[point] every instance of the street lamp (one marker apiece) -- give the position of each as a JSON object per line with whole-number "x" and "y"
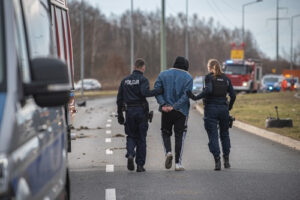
{"x": 187, "y": 31}
{"x": 82, "y": 45}
{"x": 292, "y": 35}
{"x": 243, "y": 15}
{"x": 131, "y": 38}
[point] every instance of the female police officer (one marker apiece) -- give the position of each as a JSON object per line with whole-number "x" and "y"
{"x": 216, "y": 110}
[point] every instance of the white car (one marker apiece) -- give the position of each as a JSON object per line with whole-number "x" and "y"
{"x": 88, "y": 84}
{"x": 198, "y": 84}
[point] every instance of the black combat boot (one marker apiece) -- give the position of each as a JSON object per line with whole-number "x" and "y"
{"x": 217, "y": 163}
{"x": 226, "y": 161}
{"x": 130, "y": 163}
{"x": 140, "y": 169}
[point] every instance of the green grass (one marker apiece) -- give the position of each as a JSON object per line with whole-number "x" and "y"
{"x": 97, "y": 93}
{"x": 255, "y": 108}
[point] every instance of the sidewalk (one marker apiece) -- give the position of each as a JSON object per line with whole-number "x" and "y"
{"x": 262, "y": 132}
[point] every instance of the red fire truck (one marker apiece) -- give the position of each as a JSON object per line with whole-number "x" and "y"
{"x": 245, "y": 75}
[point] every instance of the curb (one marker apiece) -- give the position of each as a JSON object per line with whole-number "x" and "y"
{"x": 262, "y": 133}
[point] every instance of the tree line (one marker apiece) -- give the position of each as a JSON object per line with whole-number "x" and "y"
{"x": 107, "y": 43}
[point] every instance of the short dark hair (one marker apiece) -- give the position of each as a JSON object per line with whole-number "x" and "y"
{"x": 139, "y": 63}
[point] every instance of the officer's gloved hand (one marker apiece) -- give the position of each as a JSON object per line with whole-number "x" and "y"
{"x": 121, "y": 118}
{"x": 229, "y": 107}
{"x": 191, "y": 95}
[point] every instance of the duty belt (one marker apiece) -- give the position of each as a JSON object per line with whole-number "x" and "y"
{"x": 135, "y": 105}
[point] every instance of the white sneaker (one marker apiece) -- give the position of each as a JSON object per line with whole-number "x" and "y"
{"x": 168, "y": 162}
{"x": 179, "y": 167}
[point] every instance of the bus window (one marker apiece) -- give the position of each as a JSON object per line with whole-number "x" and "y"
{"x": 2, "y": 71}
{"x": 66, "y": 41}
{"x": 60, "y": 33}
{"x": 53, "y": 25}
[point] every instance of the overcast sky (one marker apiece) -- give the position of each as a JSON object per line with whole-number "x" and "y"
{"x": 229, "y": 14}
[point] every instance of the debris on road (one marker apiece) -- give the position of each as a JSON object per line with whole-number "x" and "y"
{"x": 81, "y": 104}
{"x": 118, "y": 148}
{"x": 87, "y": 128}
{"x": 73, "y": 136}
{"x": 119, "y": 135}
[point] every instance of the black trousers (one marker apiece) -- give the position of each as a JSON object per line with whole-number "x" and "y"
{"x": 178, "y": 121}
{"x": 136, "y": 128}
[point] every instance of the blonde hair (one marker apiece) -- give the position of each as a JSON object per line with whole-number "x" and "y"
{"x": 215, "y": 67}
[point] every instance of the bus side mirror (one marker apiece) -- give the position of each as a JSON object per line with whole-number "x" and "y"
{"x": 50, "y": 84}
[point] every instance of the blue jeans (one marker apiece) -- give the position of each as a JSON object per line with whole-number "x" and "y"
{"x": 136, "y": 127}
{"x": 217, "y": 117}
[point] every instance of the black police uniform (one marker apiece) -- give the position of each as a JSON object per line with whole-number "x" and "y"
{"x": 132, "y": 95}
{"x": 216, "y": 111}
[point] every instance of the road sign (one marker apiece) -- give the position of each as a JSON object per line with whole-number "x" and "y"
{"x": 237, "y": 54}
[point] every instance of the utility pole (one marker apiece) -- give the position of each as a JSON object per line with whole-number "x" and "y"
{"x": 292, "y": 35}
{"x": 187, "y": 31}
{"x": 277, "y": 29}
{"x": 163, "y": 53}
{"x": 82, "y": 45}
{"x": 277, "y": 33}
{"x": 131, "y": 38}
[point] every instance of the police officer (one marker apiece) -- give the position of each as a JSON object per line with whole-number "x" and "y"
{"x": 216, "y": 110}
{"x": 132, "y": 95}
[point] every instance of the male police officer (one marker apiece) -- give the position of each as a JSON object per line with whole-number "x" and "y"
{"x": 132, "y": 94}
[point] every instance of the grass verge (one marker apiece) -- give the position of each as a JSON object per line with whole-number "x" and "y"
{"x": 255, "y": 108}
{"x": 97, "y": 93}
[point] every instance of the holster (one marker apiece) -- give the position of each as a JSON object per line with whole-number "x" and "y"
{"x": 150, "y": 116}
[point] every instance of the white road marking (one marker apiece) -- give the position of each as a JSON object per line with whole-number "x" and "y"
{"x": 113, "y": 113}
{"x": 108, "y": 125}
{"x": 109, "y": 120}
{"x": 108, "y": 140}
{"x": 110, "y": 194}
{"x": 110, "y": 168}
{"x": 109, "y": 152}
{"x": 108, "y": 132}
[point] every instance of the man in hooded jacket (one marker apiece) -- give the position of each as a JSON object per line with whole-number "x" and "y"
{"x": 174, "y": 105}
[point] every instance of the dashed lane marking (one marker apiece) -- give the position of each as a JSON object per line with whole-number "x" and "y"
{"x": 110, "y": 194}
{"x": 109, "y": 152}
{"x": 108, "y": 125}
{"x": 109, "y": 120}
{"x": 108, "y": 140}
{"x": 110, "y": 168}
{"x": 108, "y": 132}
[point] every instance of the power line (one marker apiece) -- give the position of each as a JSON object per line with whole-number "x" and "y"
{"x": 229, "y": 6}
{"x": 218, "y": 11}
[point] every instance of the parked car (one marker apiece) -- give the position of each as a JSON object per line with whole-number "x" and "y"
{"x": 271, "y": 83}
{"x": 88, "y": 84}
{"x": 34, "y": 89}
{"x": 198, "y": 84}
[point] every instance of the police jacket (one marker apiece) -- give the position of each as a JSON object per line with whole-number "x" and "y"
{"x": 215, "y": 90}
{"x": 175, "y": 83}
{"x": 133, "y": 91}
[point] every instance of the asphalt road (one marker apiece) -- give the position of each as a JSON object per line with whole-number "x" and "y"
{"x": 260, "y": 169}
